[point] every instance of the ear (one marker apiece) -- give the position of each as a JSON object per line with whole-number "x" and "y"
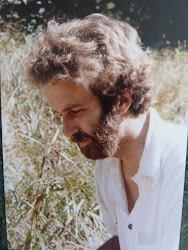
{"x": 123, "y": 102}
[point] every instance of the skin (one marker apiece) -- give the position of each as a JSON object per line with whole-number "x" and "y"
{"x": 81, "y": 111}
{"x": 77, "y": 107}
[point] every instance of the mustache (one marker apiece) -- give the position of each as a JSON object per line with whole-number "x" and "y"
{"x": 79, "y": 136}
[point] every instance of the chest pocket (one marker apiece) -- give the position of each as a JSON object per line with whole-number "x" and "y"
{"x": 148, "y": 241}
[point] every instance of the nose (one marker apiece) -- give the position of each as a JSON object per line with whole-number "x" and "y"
{"x": 69, "y": 128}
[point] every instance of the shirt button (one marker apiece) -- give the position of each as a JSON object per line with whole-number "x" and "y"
{"x": 130, "y": 226}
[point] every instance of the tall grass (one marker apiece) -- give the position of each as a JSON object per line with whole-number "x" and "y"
{"x": 170, "y": 74}
{"x": 50, "y": 197}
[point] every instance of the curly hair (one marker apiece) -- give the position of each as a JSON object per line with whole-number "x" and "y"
{"x": 102, "y": 53}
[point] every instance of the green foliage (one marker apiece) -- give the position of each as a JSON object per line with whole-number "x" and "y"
{"x": 25, "y": 15}
{"x": 28, "y": 15}
{"x": 158, "y": 22}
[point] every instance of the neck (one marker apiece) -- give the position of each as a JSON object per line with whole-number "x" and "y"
{"x": 134, "y": 131}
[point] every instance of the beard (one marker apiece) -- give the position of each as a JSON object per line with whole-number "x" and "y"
{"x": 105, "y": 141}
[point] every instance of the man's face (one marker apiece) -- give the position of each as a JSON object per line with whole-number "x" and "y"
{"x": 96, "y": 134}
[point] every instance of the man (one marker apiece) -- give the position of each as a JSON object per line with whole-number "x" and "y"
{"x": 97, "y": 77}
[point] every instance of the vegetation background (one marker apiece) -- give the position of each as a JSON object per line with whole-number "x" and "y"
{"x": 50, "y": 197}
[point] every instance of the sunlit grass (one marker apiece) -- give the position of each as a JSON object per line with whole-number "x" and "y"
{"x": 170, "y": 72}
{"x": 50, "y": 197}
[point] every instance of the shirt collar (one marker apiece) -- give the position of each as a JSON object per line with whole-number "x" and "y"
{"x": 150, "y": 160}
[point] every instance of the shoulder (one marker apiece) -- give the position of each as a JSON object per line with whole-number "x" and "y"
{"x": 168, "y": 133}
{"x": 174, "y": 147}
{"x": 174, "y": 138}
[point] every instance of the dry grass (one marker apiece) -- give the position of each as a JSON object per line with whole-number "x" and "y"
{"x": 170, "y": 72}
{"x": 50, "y": 198}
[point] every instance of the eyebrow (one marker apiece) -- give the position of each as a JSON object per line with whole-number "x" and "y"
{"x": 67, "y": 108}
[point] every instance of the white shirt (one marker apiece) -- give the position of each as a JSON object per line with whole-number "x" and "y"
{"x": 155, "y": 221}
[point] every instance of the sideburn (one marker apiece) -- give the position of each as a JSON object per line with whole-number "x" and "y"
{"x": 107, "y": 102}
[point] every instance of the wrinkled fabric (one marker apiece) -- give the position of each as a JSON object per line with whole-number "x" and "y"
{"x": 154, "y": 223}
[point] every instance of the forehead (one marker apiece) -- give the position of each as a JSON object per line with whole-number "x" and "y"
{"x": 65, "y": 93}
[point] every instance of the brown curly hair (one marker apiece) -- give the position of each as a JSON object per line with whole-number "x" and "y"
{"x": 102, "y": 53}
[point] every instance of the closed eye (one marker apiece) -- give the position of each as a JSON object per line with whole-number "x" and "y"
{"x": 75, "y": 111}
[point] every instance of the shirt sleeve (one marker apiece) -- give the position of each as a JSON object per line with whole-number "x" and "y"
{"x": 174, "y": 198}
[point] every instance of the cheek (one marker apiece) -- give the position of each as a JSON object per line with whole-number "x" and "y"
{"x": 96, "y": 125}
{"x": 89, "y": 126}
{"x": 90, "y": 119}
{"x": 93, "y": 116}
{"x": 97, "y": 113}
